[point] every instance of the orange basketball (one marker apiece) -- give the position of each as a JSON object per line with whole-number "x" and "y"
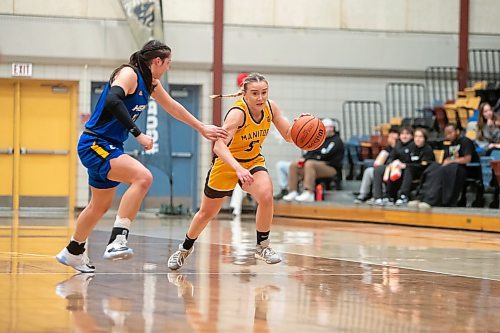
{"x": 308, "y": 133}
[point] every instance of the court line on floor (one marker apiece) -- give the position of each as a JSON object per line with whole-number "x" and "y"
{"x": 398, "y": 266}
{"x": 27, "y": 254}
{"x": 365, "y": 262}
{"x": 424, "y": 271}
{"x": 359, "y": 262}
{"x": 144, "y": 234}
{"x": 20, "y": 254}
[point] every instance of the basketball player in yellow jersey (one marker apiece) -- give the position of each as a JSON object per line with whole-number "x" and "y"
{"x": 238, "y": 158}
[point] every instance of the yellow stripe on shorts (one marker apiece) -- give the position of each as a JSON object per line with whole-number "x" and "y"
{"x": 99, "y": 150}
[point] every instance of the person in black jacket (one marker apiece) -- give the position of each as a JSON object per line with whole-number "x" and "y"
{"x": 323, "y": 162}
{"x": 400, "y": 154}
{"x": 421, "y": 154}
{"x": 442, "y": 184}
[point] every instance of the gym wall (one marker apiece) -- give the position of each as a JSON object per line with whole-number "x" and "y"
{"x": 316, "y": 54}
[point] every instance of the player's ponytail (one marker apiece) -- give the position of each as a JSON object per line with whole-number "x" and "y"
{"x": 236, "y": 94}
{"x": 251, "y": 78}
{"x": 141, "y": 60}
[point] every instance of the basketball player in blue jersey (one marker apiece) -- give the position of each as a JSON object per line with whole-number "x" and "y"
{"x": 239, "y": 159}
{"x": 100, "y": 149}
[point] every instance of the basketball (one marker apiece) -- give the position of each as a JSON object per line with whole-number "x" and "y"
{"x": 308, "y": 133}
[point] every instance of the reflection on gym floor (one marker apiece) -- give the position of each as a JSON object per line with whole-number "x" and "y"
{"x": 334, "y": 277}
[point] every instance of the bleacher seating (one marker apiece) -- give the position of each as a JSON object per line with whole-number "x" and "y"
{"x": 361, "y": 150}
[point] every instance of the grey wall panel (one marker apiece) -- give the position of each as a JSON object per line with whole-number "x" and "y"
{"x": 64, "y": 40}
{"x": 426, "y": 16}
{"x": 315, "y": 51}
{"x": 333, "y": 49}
{"x": 191, "y": 44}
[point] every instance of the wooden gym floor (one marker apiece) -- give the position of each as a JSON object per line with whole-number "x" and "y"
{"x": 335, "y": 277}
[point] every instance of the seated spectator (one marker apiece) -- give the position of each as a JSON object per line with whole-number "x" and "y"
{"x": 401, "y": 153}
{"x": 324, "y": 162}
{"x": 421, "y": 155}
{"x": 488, "y": 129}
{"x": 442, "y": 184}
{"x": 365, "y": 190}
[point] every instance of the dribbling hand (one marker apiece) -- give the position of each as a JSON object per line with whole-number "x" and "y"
{"x": 289, "y": 131}
{"x": 302, "y": 115}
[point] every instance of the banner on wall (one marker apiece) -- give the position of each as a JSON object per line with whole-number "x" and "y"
{"x": 144, "y": 18}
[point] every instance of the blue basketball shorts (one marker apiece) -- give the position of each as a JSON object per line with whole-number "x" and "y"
{"x": 95, "y": 154}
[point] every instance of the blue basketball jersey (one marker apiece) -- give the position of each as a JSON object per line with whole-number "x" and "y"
{"x": 106, "y": 125}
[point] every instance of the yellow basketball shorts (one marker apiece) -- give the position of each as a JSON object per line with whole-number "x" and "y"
{"x": 221, "y": 178}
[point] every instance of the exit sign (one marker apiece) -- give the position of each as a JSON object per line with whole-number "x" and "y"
{"x": 22, "y": 69}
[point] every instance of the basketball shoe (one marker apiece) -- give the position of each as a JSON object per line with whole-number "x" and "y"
{"x": 177, "y": 259}
{"x": 266, "y": 253}
{"x": 118, "y": 249}
{"x": 79, "y": 262}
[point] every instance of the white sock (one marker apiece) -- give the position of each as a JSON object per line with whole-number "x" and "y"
{"x": 122, "y": 222}
{"x": 73, "y": 239}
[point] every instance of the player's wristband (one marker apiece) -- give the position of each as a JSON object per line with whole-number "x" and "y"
{"x": 135, "y": 131}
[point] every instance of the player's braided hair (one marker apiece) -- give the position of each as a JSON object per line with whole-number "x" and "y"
{"x": 142, "y": 61}
{"x": 252, "y": 77}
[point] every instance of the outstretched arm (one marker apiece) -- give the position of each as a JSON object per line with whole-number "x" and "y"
{"x": 177, "y": 111}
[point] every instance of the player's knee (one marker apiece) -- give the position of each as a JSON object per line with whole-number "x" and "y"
{"x": 206, "y": 215}
{"x": 101, "y": 207}
{"x": 266, "y": 198}
{"x": 145, "y": 180}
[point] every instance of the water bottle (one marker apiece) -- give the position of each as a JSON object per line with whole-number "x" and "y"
{"x": 319, "y": 192}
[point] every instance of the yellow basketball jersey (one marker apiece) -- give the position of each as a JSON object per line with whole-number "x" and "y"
{"x": 247, "y": 141}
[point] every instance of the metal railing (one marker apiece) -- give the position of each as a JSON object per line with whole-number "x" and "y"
{"x": 484, "y": 65}
{"x": 359, "y": 117}
{"x": 404, "y": 99}
{"x": 441, "y": 83}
